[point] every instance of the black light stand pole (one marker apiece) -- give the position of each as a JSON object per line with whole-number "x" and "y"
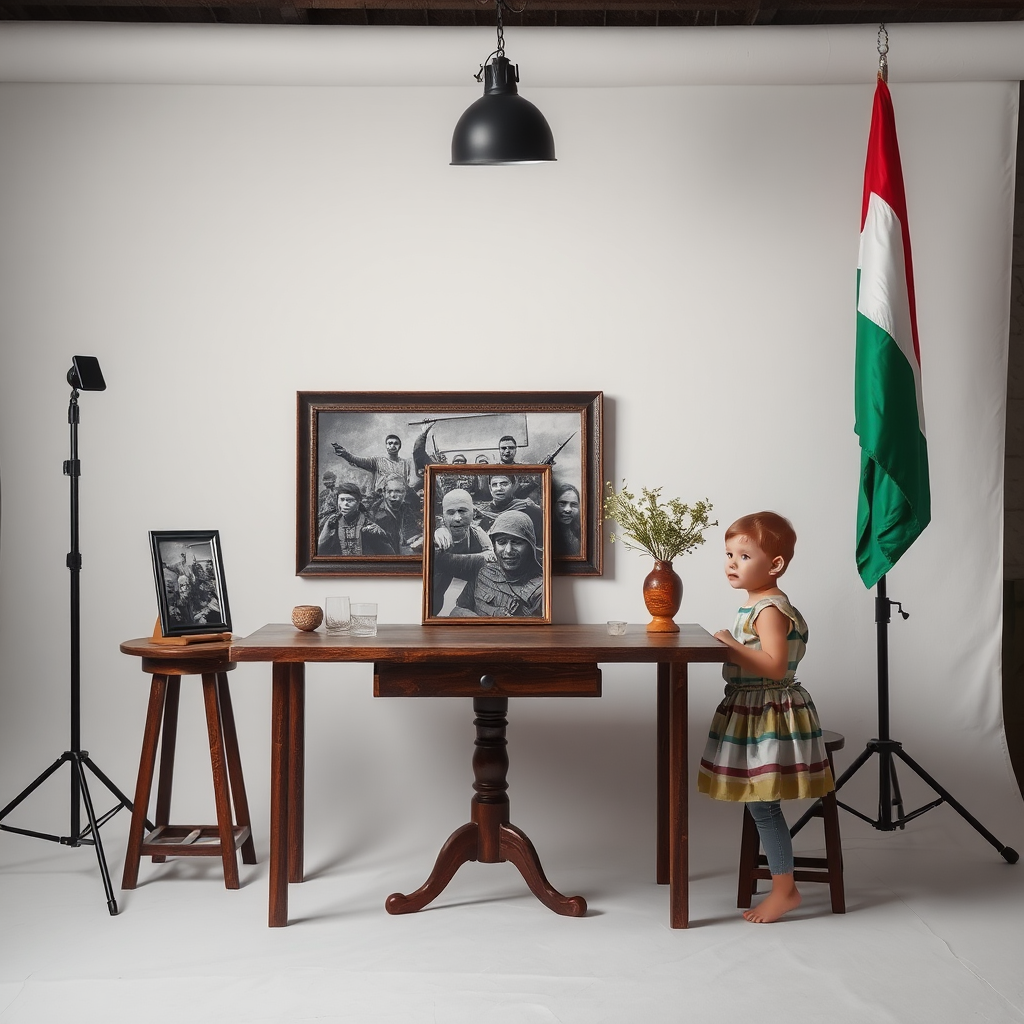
{"x": 85, "y": 374}
{"x": 886, "y": 748}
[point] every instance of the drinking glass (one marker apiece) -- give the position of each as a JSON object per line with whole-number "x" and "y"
{"x": 364, "y": 619}
{"x": 338, "y": 619}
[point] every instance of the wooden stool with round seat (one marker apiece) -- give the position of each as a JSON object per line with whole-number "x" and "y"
{"x": 167, "y": 664}
{"x": 829, "y": 869}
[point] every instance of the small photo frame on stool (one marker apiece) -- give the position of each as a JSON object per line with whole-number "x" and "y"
{"x": 190, "y": 590}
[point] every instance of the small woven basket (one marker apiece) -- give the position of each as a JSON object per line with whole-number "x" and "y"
{"x": 307, "y": 616}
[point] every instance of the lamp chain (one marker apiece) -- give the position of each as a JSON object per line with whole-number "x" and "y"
{"x": 883, "y": 53}
{"x": 500, "y": 51}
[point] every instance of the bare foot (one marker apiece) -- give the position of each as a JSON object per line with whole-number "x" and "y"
{"x": 781, "y": 900}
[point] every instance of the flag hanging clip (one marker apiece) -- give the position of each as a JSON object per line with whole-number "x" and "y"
{"x": 883, "y": 53}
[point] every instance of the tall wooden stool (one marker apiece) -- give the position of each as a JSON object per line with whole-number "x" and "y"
{"x": 754, "y": 865}
{"x": 167, "y": 664}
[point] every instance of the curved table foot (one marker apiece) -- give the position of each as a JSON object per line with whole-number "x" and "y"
{"x": 460, "y": 846}
{"x": 517, "y": 848}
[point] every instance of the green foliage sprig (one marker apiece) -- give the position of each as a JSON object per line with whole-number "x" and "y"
{"x": 663, "y": 530}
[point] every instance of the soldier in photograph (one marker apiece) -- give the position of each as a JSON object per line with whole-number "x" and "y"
{"x": 461, "y": 546}
{"x": 327, "y": 499}
{"x": 382, "y": 466}
{"x": 505, "y": 497}
{"x": 512, "y": 585}
{"x": 400, "y": 516}
{"x": 350, "y": 531}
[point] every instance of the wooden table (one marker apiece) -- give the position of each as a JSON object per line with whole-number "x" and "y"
{"x": 489, "y": 664}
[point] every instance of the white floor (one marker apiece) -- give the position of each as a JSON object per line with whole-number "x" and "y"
{"x": 934, "y": 932}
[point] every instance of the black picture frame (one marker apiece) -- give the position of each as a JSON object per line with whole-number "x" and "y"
{"x": 474, "y": 585}
{"x": 564, "y": 424}
{"x": 191, "y": 593}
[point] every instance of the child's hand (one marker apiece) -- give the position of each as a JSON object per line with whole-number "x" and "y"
{"x": 725, "y": 636}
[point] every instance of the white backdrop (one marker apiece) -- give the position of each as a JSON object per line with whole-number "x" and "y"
{"x": 692, "y": 253}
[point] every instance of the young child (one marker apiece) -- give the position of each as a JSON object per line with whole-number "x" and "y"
{"x": 765, "y": 741}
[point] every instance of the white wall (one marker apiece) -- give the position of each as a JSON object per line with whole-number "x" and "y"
{"x": 692, "y": 253}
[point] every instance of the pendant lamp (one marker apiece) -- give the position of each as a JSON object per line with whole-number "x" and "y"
{"x": 501, "y": 127}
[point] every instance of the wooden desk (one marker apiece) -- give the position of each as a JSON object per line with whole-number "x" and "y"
{"x": 491, "y": 664}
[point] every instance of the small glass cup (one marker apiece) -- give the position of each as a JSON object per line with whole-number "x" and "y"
{"x": 616, "y": 628}
{"x": 364, "y": 619}
{"x": 338, "y": 617}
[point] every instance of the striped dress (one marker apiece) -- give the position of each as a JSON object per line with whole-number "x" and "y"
{"x": 765, "y": 739}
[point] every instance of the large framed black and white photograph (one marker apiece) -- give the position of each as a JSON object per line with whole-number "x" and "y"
{"x": 191, "y": 594}
{"x": 487, "y": 544}
{"x": 362, "y": 459}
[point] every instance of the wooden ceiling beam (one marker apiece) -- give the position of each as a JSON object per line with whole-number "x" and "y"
{"x": 752, "y": 11}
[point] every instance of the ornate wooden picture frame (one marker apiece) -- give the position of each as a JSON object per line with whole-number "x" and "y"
{"x": 350, "y": 444}
{"x": 191, "y": 594}
{"x": 487, "y": 544}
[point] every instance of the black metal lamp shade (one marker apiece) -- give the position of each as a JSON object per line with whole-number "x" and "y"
{"x": 501, "y": 127}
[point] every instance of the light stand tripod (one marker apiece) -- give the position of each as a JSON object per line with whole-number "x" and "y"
{"x": 85, "y": 374}
{"x": 887, "y": 748}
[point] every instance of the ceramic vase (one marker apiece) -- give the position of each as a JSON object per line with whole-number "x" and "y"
{"x": 663, "y": 594}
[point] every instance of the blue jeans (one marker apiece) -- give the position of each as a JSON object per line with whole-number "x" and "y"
{"x": 774, "y": 833}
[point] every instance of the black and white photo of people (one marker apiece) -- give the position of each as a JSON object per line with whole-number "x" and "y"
{"x": 486, "y": 558}
{"x": 370, "y": 467}
{"x": 190, "y": 583}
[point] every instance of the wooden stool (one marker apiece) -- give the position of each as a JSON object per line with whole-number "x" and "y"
{"x": 167, "y": 665}
{"x": 754, "y": 866}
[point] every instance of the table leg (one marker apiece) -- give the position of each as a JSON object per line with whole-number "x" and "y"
{"x": 221, "y": 784}
{"x": 143, "y": 787}
{"x": 459, "y": 847}
{"x": 489, "y": 837}
{"x": 280, "y": 731}
{"x": 238, "y": 795}
{"x": 168, "y": 740}
{"x": 678, "y": 809}
{"x": 661, "y": 875}
{"x": 296, "y": 773}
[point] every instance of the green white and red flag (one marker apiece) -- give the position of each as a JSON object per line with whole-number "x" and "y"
{"x": 894, "y": 504}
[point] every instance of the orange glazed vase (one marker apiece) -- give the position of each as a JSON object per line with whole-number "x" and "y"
{"x": 663, "y": 594}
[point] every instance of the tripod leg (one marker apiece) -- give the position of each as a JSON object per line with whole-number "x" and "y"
{"x": 848, "y": 774}
{"x": 897, "y": 797}
{"x": 1006, "y": 852}
{"x": 76, "y": 767}
{"x": 851, "y": 771}
{"x": 33, "y": 786}
{"x": 811, "y": 812}
{"x": 125, "y": 802}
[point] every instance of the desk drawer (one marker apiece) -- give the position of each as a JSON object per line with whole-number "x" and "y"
{"x": 482, "y": 680}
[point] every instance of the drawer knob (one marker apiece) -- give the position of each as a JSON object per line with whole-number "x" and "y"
{"x": 486, "y": 682}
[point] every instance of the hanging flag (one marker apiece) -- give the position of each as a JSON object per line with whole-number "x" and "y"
{"x": 894, "y": 505}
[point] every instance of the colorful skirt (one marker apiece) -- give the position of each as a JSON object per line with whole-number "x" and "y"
{"x": 765, "y": 744}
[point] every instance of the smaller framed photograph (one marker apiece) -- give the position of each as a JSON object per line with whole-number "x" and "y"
{"x": 189, "y": 573}
{"x": 487, "y": 544}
